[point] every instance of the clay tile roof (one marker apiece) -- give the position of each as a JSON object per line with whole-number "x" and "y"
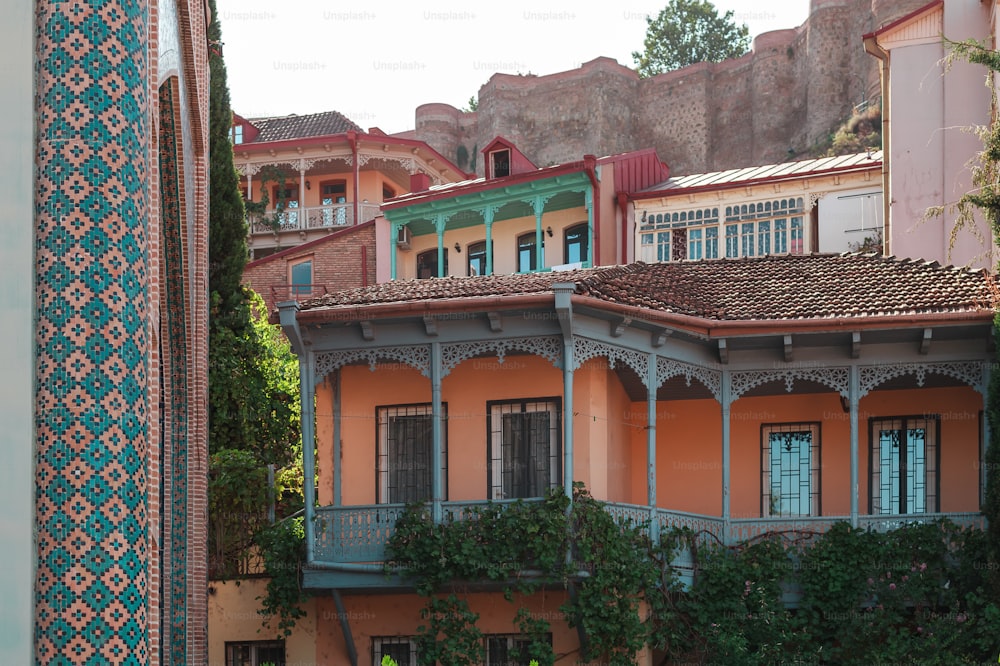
{"x": 298, "y": 127}
{"x": 815, "y": 286}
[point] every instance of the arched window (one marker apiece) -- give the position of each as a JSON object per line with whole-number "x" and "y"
{"x": 576, "y": 244}
{"x": 527, "y": 257}
{"x": 427, "y": 264}
{"x": 476, "y": 254}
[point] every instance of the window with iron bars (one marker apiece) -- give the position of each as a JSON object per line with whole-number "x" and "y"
{"x": 255, "y": 653}
{"x": 501, "y": 650}
{"x": 404, "y": 447}
{"x": 790, "y": 464}
{"x": 401, "y": 649}
{"x": 903, "y": 459}
{"x": 524, "y": 447}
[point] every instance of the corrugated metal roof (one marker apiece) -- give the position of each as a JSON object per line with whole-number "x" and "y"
{"x": 798, "y": 169}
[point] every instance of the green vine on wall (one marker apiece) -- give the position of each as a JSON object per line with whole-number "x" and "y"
{"x": 917, "y": 594}
{"x": 269, "y": 175}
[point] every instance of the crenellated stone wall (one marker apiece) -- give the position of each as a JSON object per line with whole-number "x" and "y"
{"x": 773, "y": 104}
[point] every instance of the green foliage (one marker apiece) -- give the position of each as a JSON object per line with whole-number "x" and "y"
{"x": 227, "y": 231}
{"x": 614, "y": 560}
{"x": 984, "y": 197}
{"x": 859, "y": 133}
{"x": 450, "y": 637}
{"x": 257, "y": 210}
{"x": 238, "y": 498}
{"x": 253, "y": 388}
{"x": 283, "y": 547}
{"x": 686, "y": 32}
{"x": 918, "y": 594}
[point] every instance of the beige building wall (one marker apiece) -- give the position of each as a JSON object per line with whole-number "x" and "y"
{"x": 931, "y": 112}
{"x": 233, "y": 617}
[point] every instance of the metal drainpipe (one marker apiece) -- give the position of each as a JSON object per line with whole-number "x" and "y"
{"x": 872, "y": 47}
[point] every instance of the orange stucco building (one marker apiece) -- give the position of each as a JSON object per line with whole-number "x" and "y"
{"x": 735, "y": 397}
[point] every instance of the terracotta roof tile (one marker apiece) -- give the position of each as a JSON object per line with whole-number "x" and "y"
{"x": 814, "y": 286}
{"x": 298, "y": 127}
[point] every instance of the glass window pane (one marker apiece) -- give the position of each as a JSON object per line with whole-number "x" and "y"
{"x": 302, "y": 278}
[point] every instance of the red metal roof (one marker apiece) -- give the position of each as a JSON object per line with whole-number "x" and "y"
{"x": 718, "y": 180}
{"x": 633, "y": 171}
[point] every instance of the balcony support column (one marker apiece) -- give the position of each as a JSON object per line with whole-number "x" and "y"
{"x": 984, "y": 389}
{"x": 308, "y": 389}
{"x": 352, "y": 139}
{"x": 651, "y": 386}
{"x": 393, "y": 248}
{"x": 437, "y": 496}
{"x": 564, "y": 312}
{"x": 727, "y": 391}
{"x": 488, "y": 213}
{"x": 439, "y": 223}
{"x": 539, "y": 206}
{"x": 303, "y": 224}
{"x": 853, "y": 398}
{"x": 337, "y": 467}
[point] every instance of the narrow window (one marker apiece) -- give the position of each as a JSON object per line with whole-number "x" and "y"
{"x": 500, "y": 161}
{"x": 575, "y": 244}
{"x": 301, "y": 278}
{"x": 476, "y": 253}
{"x": 712, "y": 243}
{"x": 333, "y": 199}
{"x": 255, "y": 653}
{"x": 405, "y": 461}
{"x": 401, "y": 649}
{"x": 527, "y": 259}
{"x": 904, "y": 465}
{"x": 524, "y": 447}
{"x": 695, "y": 247}
{"x": 790, "y": 469}
{"x": 427, "y": 264}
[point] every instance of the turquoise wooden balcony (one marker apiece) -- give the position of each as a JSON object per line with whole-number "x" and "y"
{"x": 359, "y": 534}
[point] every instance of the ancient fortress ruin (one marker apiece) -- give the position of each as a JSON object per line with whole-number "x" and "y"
{"x": 774, "y": 104}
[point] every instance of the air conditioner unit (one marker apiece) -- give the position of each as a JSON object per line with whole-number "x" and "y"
{"x": 403, "y": 238}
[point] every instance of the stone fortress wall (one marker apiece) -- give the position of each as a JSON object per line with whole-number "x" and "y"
{"x": 772, "y": 105}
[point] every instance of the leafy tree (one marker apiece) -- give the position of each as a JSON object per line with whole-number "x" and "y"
{"x": 985, "y": 198}
{"x": 689, "y": 31}
{"x": 253, "y": 375}
{"x": 227, "y": 225}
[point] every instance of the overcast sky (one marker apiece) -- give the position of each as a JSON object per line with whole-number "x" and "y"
{"x": 377, "y": 62}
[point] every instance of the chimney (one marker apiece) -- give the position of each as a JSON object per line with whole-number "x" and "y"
{"x": 419, "y": 182}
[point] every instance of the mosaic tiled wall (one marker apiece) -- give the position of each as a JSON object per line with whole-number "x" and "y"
{"x": 175, "y": 360}
{"x": 91, "y": 413}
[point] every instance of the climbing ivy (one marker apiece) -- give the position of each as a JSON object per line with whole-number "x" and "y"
{"x": 918, "y": 593}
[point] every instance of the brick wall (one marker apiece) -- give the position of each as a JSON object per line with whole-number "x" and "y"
{"x": 343, "y": 260}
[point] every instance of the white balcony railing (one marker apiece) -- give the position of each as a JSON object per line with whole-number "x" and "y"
{"x": 305, "y": 219}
